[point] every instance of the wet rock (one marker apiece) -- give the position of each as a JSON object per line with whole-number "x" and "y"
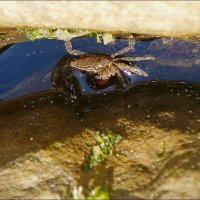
{"x": 43, "y": 149}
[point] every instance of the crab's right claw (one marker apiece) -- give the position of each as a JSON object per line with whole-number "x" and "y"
{"x": 68, "y": 89}
{"x": 63, "y": 79}
{"x": 72, "y": 91}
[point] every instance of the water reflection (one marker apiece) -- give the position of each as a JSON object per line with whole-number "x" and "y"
{"x": 26, "y": 67}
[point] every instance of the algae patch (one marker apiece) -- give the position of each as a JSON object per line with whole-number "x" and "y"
{"x": 65, "y": 34}
{"x": 96, "y": 193}
{"x": 105, "y": 147}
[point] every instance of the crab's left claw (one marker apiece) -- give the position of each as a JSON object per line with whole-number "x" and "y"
{"x": 131, "y": 69}
{"x": 136, "y": 70}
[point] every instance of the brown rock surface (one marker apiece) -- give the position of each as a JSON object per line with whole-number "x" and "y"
{"x": 43, "y": 147}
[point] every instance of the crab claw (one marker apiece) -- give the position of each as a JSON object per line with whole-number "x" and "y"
{"x": 136, "y": 70}
{"x": 71, "y": 85}
{"x": 72, "y": 92}
{"x": 131, "y": 69}
{"x": 63, "y": 79}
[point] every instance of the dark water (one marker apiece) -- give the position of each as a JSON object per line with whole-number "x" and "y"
{"x": 26, "y": 67}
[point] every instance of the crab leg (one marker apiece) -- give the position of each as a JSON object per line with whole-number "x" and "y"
{"x": 132, "y": 69}
{"x": 68, "y": 46}
{"x": 131, "y": 46}
{"x": 134, "y": 59}
{"x": 122, "y": 78}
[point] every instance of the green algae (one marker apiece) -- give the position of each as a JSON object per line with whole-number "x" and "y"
{"x": 105, "y": 147}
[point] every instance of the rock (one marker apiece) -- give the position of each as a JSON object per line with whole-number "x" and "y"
{"x": 43, "y": 149}
{"x": 169, "y": 18}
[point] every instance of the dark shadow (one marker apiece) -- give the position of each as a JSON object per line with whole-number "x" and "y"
{"x": 5, "y": 48}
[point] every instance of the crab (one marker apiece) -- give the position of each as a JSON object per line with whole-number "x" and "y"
{"x": 100, "y": 66}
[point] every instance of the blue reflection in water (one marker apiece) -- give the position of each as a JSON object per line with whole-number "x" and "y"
{"x": 24, "y": 59}
{"x": 159, "y": 72}
{"x": 26, "y": 67}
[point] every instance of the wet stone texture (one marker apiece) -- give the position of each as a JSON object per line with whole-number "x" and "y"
{"x": 43, "y": 147}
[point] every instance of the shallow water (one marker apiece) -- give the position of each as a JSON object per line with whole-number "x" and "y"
{"x": 45, "y": 139}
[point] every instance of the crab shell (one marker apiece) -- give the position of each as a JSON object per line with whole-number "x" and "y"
{"x": 104, "y": 66}
{"x": 100, "y": 69}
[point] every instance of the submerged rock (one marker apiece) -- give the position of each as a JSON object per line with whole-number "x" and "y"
{"x": 43, "y": 148}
